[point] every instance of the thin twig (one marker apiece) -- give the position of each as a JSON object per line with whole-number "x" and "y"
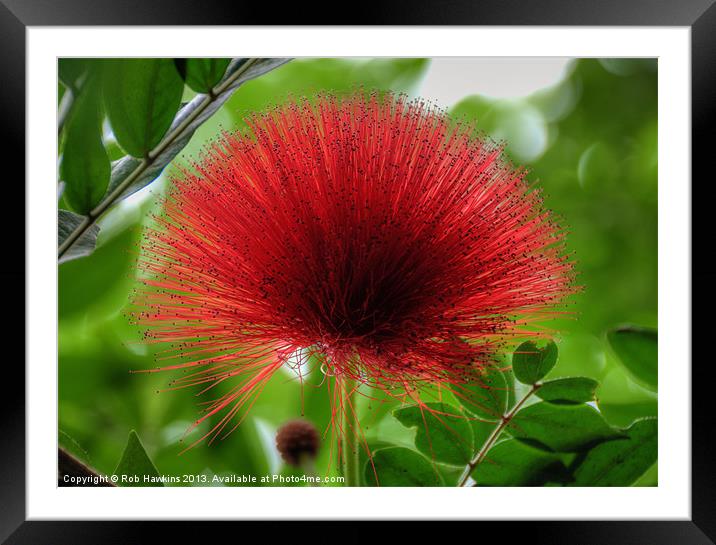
{"x": 110, "y": 199}
{"x": 492, "y": 438}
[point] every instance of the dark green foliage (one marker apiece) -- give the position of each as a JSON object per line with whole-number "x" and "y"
{"x": 141, "y": 96}
{"x": 486, "y": 396}
{"x": 620, "y": 462}
{"x": 443, "y": 432}
{"x": 531, "y": 363}
{"x": 123, "y": 168}
{"x": 85, "y": 167}
{"x": 397, "y": 466}
{"x": 202, "y": 74}
{"x": 637, "y": 348}
{"x": 516, "y": 463}
{"x": 563, "y": 428}
{"x": 570, "y": 389}
{"x": 135, "y": 468}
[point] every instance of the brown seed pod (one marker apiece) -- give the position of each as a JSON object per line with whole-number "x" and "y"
{"x": 297, "y": 440}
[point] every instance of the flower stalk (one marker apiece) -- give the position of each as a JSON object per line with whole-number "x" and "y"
{"x": 350, "y": 435}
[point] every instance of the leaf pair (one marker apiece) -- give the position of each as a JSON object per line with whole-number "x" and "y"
{"x": 542, "y": 436}
{"x": 140, "y": 98}
{"x": 562, "y": 439}
{"x": 531, "y": 364}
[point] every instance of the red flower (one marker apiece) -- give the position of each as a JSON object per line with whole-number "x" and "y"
{"x": 372, "y": 230}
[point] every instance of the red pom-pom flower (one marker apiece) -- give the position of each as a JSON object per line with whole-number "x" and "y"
{"x": 375, "y": 231}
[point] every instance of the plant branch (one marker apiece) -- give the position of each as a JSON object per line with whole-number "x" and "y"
{"x": 110, "y": 199}
{"x": 492, "y": 438}
{"x": 71, "y": 468}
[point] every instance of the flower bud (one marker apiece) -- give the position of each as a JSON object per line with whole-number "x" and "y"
{"x": 297, "y": 441}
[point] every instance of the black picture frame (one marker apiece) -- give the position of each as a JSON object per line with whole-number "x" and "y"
{"x": 699, "y": 15}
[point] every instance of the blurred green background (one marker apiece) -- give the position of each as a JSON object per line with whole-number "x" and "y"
{"x": 590, "y": 141}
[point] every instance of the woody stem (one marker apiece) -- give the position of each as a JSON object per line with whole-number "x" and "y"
{"x": 492, "y": 438}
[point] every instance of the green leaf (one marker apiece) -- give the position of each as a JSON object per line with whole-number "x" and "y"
{"x": 621, "y": 400}
{"x": 562, "y": 428}
{"x": 67, "y": 222}
{"x": 516, "y": 463}
{"x": 649, "y": 478}
{"x": 637, "y": 349}
{"x": 103, "y": 279}
{"x": 398, "y": 466}
{"x": 443, "y": 432}
{"x": 72, "y": 70}
{"x": 114, "y": 150}
{"x": 141, "y": 96}
{"x": 486, "y": 396}
{"x": 571, "y": 389}
{"x": 481, "y": 430}
{"x": 135, "y": 463}
{"x": 531, "y": 363}
{"x": 628, "y": 67}
{"x": 75, "y": 72}
{"x": 624, "y": 414}
{"x": 85, "y": 167}
{"x": 70, "y": 444}
{"x": 202, "y": 75}
{"x": 124, "y": 167}
{"x": 620, "y": 462}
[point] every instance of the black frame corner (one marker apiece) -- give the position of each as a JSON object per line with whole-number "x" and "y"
{"x": 700, "y": 15}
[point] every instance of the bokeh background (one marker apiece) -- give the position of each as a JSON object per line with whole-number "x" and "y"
{"x": 587, "y": 130}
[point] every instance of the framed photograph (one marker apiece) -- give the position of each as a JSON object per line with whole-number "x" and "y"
{"x": 364, "y": 273}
